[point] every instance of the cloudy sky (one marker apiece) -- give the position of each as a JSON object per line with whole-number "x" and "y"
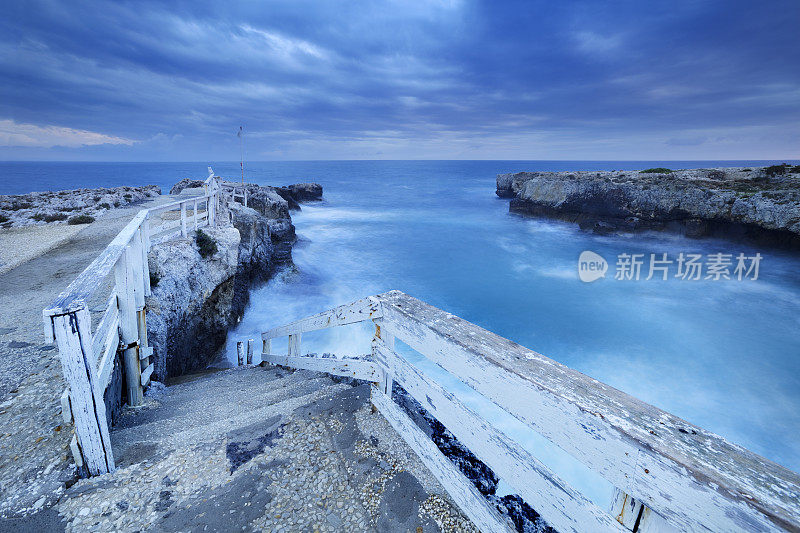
{"x": 403, "y": 79}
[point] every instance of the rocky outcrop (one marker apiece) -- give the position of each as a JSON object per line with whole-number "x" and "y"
{"x": 196, "y": 300}
{"x": 61, "y": 206}
{"x": 758, "y": 204}
{"x": 186, "y": 183}
{"x": 300, "y": 192}
{"x": 192, "y": 302}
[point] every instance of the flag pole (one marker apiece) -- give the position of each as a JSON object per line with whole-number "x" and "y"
{"x": 241, "y": 147}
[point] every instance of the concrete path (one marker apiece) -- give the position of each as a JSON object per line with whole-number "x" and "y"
{"x": 34, "y": 452}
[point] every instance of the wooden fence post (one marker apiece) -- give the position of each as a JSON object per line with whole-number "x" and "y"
{"x": 382, "y": 335}
{"x": 126, "y": 301}
{"x": 183, "y": 219}
{"x": 249, "y": 351}
{"x": 636, "y": 516}
{"x": 294, "y": 345}
{"x": 240, "y": 353}
{"x": 74, "y": 337}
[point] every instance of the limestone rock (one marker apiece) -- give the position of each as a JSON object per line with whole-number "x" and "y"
{"x": 190, "y": 306}
{"x": 186, "y": 183}
{"x": 300, "y": 192}
{"x": 733, "y": 202}
{"x": 38, "y": 208}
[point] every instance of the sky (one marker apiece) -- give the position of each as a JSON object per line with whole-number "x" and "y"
{"x": 444, "y": 79}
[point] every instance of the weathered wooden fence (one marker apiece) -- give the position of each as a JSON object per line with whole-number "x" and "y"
{"x": 669, "y": 474}
{"x": 88, "y": 354}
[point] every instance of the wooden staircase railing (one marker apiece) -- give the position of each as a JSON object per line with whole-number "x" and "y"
{"x": 669, "y": 474}
{"x": 88, "y": 357}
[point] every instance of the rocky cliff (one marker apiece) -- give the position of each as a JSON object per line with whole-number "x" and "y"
{"x": 757, "y": 204}
{"x": 197, "y": 299}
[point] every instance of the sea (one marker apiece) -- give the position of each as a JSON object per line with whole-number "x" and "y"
{"x": 723, "y": 354}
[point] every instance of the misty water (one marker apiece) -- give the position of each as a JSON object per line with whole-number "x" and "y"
{"x": 724, "y": 355}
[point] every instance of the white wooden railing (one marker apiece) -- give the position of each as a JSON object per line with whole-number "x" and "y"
{"x": 669, "y": 474}
{"x": 88, "y": 354}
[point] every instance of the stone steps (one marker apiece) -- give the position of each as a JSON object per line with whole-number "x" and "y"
{"x": 206, "y": 409}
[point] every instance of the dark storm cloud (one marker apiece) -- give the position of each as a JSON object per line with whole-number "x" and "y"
{"x": 540, "y": 79}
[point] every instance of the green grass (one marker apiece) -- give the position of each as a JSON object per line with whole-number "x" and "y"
{"x": 657, "y": 170}
{"x": 105, "y": 205}
{"x": 3, "y": 218}
{"x": 55, "y": 217}
{"x": 154, "y": 279}
{"x": 80, "y": 219}
{"x": 205, "y": 244}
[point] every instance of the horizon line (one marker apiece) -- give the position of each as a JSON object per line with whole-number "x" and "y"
{"x": 395, "y": 160}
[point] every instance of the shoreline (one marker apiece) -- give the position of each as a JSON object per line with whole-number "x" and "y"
{"x": 755, "y": 205}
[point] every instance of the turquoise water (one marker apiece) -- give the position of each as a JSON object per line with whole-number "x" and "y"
{"x": 724, "y": 355}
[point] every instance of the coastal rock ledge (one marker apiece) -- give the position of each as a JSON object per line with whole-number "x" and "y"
{"x": 754, "y": 204}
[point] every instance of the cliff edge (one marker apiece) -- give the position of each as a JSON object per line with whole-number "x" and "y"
{"x": 755, "y": 204}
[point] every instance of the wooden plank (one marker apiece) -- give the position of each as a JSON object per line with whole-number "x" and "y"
{"x": 635, "y": 516}
{"x": 146, "y": 375}
{"x": 471, "y": 502}
{"x": 72, "y": 332}
{"x": 76, "y": 451}
{"x": 562, "y": 507}
{"x": 144, "y": 247}
{"x": 134, "y": 256}
{"x": 108, "y": 321}
{"x": 108, "y": 356}
{"x": 129, "y": 329}
{"x": 145, "y": 352}
{"x": 353, "y": 368}
{"x": 358, "y": 311}
{"x": 294, "y": 345}
{"x": 194, "y": 214}
{"x": 83, "y": 287}
{"x": 383, "y": 337}
{"x": 183, "y": 219}
{"x": 66, "y": 410}
{"x": 689, "y": 476}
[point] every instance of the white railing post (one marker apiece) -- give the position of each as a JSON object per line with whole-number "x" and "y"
{"x": 194, "y": 215}
{"x": 74, "y": 337}
{"x": 245, "y": 196}
{"x": 183, "y": 219}
{"x": 634, "y": 515}
{"x": 383, "y": 336}
{"x": 294, "y": 345}
{"x": 126, "y": 301}
{"x": 144, "y": 247}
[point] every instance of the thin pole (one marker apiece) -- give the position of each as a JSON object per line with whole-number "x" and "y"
{"x": 241, "y": 146}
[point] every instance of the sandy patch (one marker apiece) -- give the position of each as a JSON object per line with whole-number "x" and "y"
{"x": 18, "y": 245}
